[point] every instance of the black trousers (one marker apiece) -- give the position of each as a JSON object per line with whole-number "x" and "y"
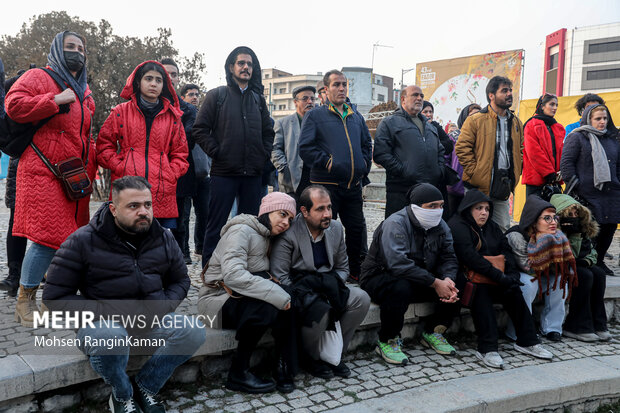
{"x": 182, "y": 224}
{"x": 252, "y": 318}
{"x": 603, "y": 240}
{"x": 586, "y": 309}
{"x": 533, "y": 190}
{"x": 483, "y": 315}
{"x": 394, "y": 298}
{"x": 395, "y": 201}
{"x": 454, "y": 201}
{"x": 15, "y": 247}
{"x": 348, "y": 205}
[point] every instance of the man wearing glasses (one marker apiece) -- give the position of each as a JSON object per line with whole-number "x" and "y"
{"x": 285, "y": 154}
{"x": 234, "y": 128}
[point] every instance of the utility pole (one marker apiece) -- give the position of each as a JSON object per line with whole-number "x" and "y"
{"x": 372, "y": 66}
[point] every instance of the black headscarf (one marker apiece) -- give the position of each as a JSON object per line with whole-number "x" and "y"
{"x": 427, "y": 104}
{"x": 255, "y": 83}
{"x": 56, "y": 60}
{"x": 539, "y": 114}
{"x": 465, "y": 113}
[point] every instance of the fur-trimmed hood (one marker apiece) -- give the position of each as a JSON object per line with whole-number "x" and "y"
{"x": 589, "y": 227}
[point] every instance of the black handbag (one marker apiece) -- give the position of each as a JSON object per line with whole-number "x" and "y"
{"x": 501, "y": 185}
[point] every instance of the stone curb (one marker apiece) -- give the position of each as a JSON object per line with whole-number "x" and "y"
{"x": 516, "y": 390}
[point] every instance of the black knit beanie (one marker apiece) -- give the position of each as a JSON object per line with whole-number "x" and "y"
{"x": 423, "y": 193}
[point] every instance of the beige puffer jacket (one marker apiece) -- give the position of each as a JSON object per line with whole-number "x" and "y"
{"x": 242, "y": 250}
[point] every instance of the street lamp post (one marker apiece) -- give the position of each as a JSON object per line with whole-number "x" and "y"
{"x": 402, "y": 75}
{"x": 372, "y": 66}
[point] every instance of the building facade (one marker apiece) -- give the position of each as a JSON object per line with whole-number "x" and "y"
{"x": 279, "y": 87}
{"x": 367, "y": 89}
{"x": 582, "y": 60}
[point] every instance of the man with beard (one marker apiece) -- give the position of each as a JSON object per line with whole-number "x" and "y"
{"x": 285, "y": 154}
{"x": 490, "y": 149}
{"x": 311, "y": 258}
{"x": 234, "y": 128}
{"x": 124, "y": 263}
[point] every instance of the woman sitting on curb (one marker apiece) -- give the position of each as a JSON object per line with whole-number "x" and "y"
{"x": 586, "y": 319}
{"x": 546, "y": 262}
{"x": 476, "y": 240}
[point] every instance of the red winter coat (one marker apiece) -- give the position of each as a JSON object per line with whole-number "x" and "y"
{"x": 163, "y": 153}
{"x": 538, "y": 159}
{"x": 43, "y": 213}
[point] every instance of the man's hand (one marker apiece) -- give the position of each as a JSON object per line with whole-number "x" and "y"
{"x": 66, "y": 96}
{"x": 446, "y": 290}
{"x": 287, "y": 306}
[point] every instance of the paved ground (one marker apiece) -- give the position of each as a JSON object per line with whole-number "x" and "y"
{"x": 371, "y": 378}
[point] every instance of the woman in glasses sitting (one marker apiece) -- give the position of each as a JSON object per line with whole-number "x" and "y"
{"x": 546, "y": 262}
{"x": 542, "y": 146}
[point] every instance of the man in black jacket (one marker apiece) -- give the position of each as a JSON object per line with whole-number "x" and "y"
{"x": 409, "y": 149}
{"x": 124, "y": 263}
{"x": 235, "y": 130}
{"x": 186, "y": 185}
{"x": 336, "y": 145}
{"x": 412, "y": 260}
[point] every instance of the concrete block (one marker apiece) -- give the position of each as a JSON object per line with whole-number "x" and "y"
{"x": 374, "y": 192}
{"x": 52, "y": 372}
{"x": 60, "y": 402}
{"x": 16, "y": 378}
{"x": 377, "y": 175}
{"x": 612, "y": 289}
{"x": 25, "y": 404}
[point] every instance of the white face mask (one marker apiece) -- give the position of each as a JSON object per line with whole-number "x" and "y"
{"x": 428, "y": 218}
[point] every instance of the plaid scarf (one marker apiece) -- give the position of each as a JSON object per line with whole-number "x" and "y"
{"x": 552, "y": 250}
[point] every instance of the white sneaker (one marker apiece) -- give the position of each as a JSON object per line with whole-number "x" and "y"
{"x": 491, "y": 359}
{"x": 586, "y": 337}
{"x": 603, "y": 335}
{"x": 536, "y": 350}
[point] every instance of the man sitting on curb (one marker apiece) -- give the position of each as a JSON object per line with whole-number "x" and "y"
{"x": 124, "y": 263}
{"x": 412, "y": 260}
{"x": 312, "y": 257}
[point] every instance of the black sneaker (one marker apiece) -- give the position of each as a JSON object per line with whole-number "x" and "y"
{"x": 554, "y": 336}
{"x": 320, "y": 369}
{"x": 605, "y": 268}
{"x": 147, "y": 402}
{"x": 128, "y": 406}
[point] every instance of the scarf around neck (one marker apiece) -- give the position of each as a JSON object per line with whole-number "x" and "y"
{"x": 56, "y": 60}
{"x": 600, "y": 165}
{"x": 552, "y": 251}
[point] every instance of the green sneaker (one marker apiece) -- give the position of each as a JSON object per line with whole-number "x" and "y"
{"x": 437, "y": 342}
{"x": 391, "y": 351}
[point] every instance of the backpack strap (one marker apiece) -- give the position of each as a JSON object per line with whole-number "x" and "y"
{"x": 222, "y": 92}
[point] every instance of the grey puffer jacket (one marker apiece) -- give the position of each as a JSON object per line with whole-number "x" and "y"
{"x": 242, "y": 250}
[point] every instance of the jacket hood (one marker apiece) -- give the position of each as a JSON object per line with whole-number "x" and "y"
{"x": 248, "y": 220}
{"x": 589, "y": 227}
{"x": 255, "y": 83}
{"x": 611, "y": 127}
{"x": 170, "y": 99}
{"x": 470, "y": 199}
{"x": 534, "y": 206}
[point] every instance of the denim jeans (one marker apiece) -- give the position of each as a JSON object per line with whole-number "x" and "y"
{"x": 110, "y": 364}
{"x": 554, "y": 309}
{"x": 36, "y": 261}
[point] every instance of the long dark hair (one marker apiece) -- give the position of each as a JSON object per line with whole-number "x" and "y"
{"x": 147, "y": 67}
{"x": 265, "y": 221}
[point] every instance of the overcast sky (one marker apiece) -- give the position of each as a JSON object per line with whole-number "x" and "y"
{"x": 316, "y": 36}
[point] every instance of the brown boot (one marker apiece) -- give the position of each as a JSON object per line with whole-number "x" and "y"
{"x": 26, "y": 306}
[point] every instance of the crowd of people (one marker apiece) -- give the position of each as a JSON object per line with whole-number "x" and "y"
{"x": 282, "y": 262}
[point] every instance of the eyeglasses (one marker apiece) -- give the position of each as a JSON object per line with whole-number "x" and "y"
{"x": 549, "y": 218}
{"x": 193, "y": 94}
{"x": 306, "y": 98}
{"x": 242, "y": 63}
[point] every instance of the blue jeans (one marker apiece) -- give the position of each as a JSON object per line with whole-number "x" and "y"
{"x": 554, "y": 310}
{"x": 110, "y": 364}
{"x": 36, "y": 261}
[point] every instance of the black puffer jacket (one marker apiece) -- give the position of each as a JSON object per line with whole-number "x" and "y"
{"x": 409, "y": 156}
{"x": 467, "y": 234}
{"x": 95, "y": 262}
{"x": 401, "y": 248}
{"x": 238, "y": 136}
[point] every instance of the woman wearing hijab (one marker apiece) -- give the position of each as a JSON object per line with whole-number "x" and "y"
{"x": 149, "y": 132}
{"x": 456, "y": 192}
{"x": 43, "y": 213}
{"x": 543, "y": 142}
{"x": 591, "y": 158}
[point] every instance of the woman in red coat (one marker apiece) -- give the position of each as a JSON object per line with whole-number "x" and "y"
{"x": 543, "y": 142}
{"x": 149, "y": 132}
{"x": 43, "y": 213}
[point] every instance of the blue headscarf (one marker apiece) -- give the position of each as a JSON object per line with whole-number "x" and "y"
{"x": 56, "y": 60}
